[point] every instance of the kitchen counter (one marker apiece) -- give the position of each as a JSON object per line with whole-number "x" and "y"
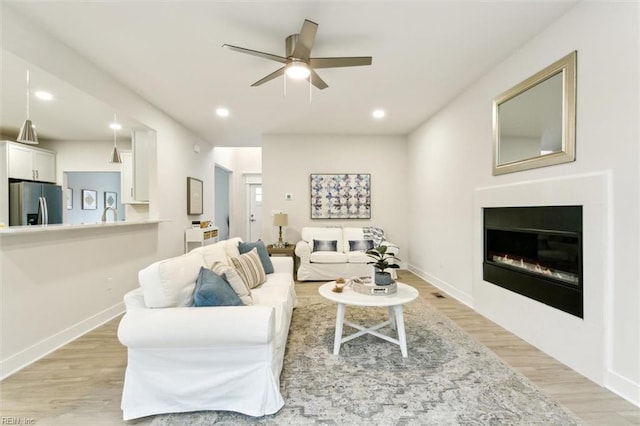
{"x": 22, "y": 230}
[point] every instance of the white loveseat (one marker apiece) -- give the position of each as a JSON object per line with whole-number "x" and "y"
{"x": 325, "y": 265}
{"x": 183, "y": 358}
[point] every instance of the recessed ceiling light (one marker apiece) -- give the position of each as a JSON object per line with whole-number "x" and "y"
{"x": 378, "y": 113}
{"x": 222, "y": 112}
{"x": 45, "y": 96}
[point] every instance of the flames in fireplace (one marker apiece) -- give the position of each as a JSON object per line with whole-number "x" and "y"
{"x": 535, "y": 268}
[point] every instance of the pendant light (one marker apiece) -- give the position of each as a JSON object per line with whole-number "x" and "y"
{"x": 115, "y": 154}
{"x": 27, "y": 132}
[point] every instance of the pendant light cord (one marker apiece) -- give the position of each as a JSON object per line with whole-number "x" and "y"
{"x": 27, "y": 93}
{"x": 115, "y": 121}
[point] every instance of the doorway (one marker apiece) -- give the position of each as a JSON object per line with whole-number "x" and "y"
{"x": 222, "y": 201}
{"x": 254, "y": 211}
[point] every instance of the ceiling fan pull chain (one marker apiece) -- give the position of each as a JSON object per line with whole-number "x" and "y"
{"x": 310, "y": 87}
{"x": 285, "y": 85}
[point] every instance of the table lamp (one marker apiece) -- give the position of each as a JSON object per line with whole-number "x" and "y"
{"x": 280, "y": 220}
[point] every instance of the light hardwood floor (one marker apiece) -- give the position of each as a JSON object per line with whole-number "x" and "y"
{"x": 80, "y": 384}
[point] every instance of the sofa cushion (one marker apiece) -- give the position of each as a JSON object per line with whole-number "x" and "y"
{"x": 325, "y": 245}
{"x": 358, "y": 257}
{"x": 235, "y": 281}
{"x": 231, "y": 247}
{"x": 214, "y": 253}
{"x": 328, "y": 257}
{"x": 262, "y": 252}
{"x": 170, "y": 282}
{"x": 360, "y": 245}
{"x": 212, "y": 290}
{"x": 249, "y": 268}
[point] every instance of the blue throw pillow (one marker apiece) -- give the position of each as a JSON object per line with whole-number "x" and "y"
{"x": 325, "y": 245}
{"x": 360, "y": 245}
{"x": 262, "y": 253}
{"x": 212, "y": 290}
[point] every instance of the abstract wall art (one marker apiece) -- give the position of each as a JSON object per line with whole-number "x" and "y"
{"x": 341, "y": 196}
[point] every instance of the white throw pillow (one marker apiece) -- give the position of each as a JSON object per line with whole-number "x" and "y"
{"x": 170, "y": 283}
{"x": 215, "y": 253}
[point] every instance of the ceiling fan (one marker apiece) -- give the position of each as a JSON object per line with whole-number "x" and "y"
{"x": 298, "y": 63}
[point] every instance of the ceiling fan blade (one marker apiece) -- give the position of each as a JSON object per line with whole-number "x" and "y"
{"x": 256, "y": 53}
{"x": 306, "y": 38}
{"x": 351, "y": 61}
{"x": 277, "y": 73}
{"x": 317, "y": 81}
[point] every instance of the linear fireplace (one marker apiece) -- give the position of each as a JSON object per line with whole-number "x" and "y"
{"x": 536, "y": 252}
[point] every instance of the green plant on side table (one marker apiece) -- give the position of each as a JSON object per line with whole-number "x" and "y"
{"x": 382, "y": 261}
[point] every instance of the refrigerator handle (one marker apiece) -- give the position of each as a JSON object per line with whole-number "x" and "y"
{"x": 46, "y": 211}
{"x": 43, "y": 217}
{"x": 40, "y": 212}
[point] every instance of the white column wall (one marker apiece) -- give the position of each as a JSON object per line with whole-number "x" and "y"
{"x": 450, "y": 180}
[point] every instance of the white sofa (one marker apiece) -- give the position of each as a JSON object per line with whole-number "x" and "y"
{"x": 343, "y": 262}
{"x": 183, "y": 358}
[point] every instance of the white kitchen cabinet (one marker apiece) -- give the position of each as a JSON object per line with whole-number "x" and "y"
{"x": 126, "y": 177}
{"x": 141, "y": 145}
{"x": 128, "y": 189}
{"x": 25, "y": 162}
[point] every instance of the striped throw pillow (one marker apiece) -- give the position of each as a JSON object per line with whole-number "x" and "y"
{"x": 250, "y": 268}
{"x": 235, "y": 281}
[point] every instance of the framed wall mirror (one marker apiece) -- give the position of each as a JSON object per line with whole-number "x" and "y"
{"x": 534, "y": 122}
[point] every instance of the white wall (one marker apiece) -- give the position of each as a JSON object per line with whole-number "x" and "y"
{"x": 288, "y": 160}
{"x": 56, "y": 287}
{"x": 450, "y": 181}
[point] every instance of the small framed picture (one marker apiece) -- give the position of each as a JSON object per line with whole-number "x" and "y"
{"x": 194, "y": 196}
{"x": 110, "y": 199}
{"x": 89, "y": 199}
{"x": 69, "y": 198}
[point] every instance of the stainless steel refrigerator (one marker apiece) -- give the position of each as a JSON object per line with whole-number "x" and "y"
{"x": 33, "y": 203}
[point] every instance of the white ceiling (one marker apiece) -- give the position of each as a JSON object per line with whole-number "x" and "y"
{"x": 424, "y": 54}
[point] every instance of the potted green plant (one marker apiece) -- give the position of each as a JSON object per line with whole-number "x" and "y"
{"x": 382, "y": 260}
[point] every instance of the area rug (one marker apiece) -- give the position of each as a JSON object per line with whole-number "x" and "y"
{"x": 448, "y": 378}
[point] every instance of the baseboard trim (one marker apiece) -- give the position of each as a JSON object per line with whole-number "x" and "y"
{"x": 623, "y": 387}
{"x": 28, "y": 356}
{"x": 447, "y": 288}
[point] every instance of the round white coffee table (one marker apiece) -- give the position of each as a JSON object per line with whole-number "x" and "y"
{"x": 393, "y": 303}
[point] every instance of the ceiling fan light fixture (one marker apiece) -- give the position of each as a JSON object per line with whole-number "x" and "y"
{"x": 298, "y": 70}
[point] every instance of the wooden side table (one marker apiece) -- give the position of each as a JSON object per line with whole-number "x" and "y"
{"x": 288, "y": 250}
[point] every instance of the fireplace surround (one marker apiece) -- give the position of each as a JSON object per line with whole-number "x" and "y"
{"x": 536, "y": 252}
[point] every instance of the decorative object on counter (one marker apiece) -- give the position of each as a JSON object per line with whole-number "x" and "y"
{"x": 194, "y": 196}
{"x": 89, "y": 199}
{"x": 341, "y": 196}
{"x": 115, "y": 154}
{"x": 27, "y": 132}
{"x": 382, "y": 260}
{"x": 280, "y": 220}
{"x": 339, "y": 285}
{"x": 110, "y": 199}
